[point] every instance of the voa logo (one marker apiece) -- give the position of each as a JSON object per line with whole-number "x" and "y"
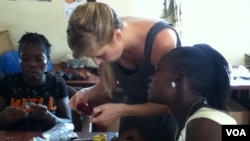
{"x": 236, "y": 132}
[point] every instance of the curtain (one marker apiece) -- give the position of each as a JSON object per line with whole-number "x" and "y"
{"x": 172, "y": 13}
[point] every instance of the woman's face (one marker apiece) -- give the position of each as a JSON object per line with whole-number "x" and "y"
{"x": 160, "y": 90}
{"x": 33, "y": 61}
{"x": 109, "y": 53}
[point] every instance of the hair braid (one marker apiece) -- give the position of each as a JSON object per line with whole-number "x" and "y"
{"x": 29, "y": 37}
{"x": 206, "y": 70}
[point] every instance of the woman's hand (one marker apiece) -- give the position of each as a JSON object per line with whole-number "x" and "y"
{"x": 38, "y": 111}
{"x": 41, "y": 113}
{"x": 13, "y": 114}
{"x": 79, "y": 97}
{"x": 105, "y": 114}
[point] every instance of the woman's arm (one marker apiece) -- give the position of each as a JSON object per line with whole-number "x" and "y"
{"x": 146, "y": 109}
{"x": 63, "y": 112}
{"x": 96, "y": 92}
{"x": 105, "y": 114}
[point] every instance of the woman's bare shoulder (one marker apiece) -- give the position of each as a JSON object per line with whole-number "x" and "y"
{"x": 131, "y": 19}
{"x": 203, "y": 129}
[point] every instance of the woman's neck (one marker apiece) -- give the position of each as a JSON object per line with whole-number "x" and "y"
{"x": 35, "y": 82}
{"x": 188, "y": 110}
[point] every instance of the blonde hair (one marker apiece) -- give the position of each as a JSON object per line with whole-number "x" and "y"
{"x": 89, "y": 23}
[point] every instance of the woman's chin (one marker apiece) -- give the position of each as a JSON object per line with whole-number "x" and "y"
{"x": 33, "y": 76}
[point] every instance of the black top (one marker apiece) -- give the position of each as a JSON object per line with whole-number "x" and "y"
{"x": 135, "y": 82}
{"x": 19, "y": 94}
{"x": 135, "y": 86}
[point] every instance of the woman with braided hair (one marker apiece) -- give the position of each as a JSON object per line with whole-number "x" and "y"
{"x": 195, "y": 83}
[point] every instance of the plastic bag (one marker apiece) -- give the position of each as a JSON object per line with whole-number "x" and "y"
{"x": 60, "y": 132}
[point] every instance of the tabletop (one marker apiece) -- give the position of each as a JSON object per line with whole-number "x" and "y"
{"x": 28, "y": 136}
{"x": 240, "y": 78}
{"x": 18, "y": 135}
{"x": 240, "y": 84}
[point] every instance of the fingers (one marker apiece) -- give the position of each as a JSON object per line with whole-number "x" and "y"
{"x": 38, "y": 107}
{"x": 98, "y": 116}
{"x": 72, "y": 103}
{"x": 15, "y": 110}
{"x": 104, "y": 114}
{"x": 79, "y": 97}
{"x": 14, "y": 113}
{"x": 96, "y": 111}
{"x": 39, "y": 112}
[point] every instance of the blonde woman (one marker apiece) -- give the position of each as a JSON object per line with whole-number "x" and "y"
{"x": 126, "y": 50}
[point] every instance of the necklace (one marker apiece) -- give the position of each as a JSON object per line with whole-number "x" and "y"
{"x": 191, "y": 107}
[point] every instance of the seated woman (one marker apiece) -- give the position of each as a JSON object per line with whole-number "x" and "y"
{"x": 194, "y": 82}
{"x": 33, "y": 100}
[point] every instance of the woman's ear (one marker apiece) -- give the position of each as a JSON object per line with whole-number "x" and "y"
{"x": 180, "y": 80}
{"x": 117, "y": 35}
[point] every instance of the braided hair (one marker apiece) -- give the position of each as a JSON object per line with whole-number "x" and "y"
{"x": 30, "y": 37}
{"x": 207, "y": 71}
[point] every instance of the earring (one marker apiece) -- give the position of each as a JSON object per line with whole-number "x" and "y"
{"x": 173, "y": 84}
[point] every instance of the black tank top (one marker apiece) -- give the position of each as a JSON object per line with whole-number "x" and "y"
{"x": 135, "y": 82}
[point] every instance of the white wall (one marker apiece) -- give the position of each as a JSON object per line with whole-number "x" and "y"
{"x": 42, "y": 17}
{"x": 224, "y": 24}
{"x": 19, "y": 16}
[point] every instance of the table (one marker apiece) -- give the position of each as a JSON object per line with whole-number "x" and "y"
{"x": 18, "y": 135}
{"x": 240, "y": 84}
{"x": 236, "y": 82}
{"x": 240, "y": 91}
{"x": 240, "y": 87}
{"x": 92, "y": 78}
{"x": 27, "y": 135}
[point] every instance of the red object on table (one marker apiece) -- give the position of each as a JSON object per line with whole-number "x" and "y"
{"x": 84, "y": 108}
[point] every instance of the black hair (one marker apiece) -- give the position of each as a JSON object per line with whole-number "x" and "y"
{"x": 207, "y": 71}
{"x": 30, "y": 37}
